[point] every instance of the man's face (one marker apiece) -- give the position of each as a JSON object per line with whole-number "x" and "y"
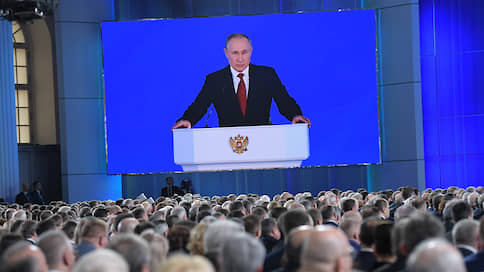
{"x": 238, "y": 53}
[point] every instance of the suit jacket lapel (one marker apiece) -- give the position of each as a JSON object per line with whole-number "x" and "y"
{"x": 252, "y": 88}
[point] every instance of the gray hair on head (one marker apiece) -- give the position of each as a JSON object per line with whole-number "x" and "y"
{"x": 242, "y": 253}
{"x": 216, "y": 234}
{"x": 435, "y": 255}
{"x": 236, "y": 35}
{"x": 101, "y": 260}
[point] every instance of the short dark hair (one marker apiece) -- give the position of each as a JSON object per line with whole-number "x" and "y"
{"x": 267, "y": 225}
{"x": 101, "y": 213}
{"x": 292, "y": 219}
{"x": 143, "y": 226}
{"x": 202, "y": 214}
{"x": 327, "y": 212}
{"x": 45, "y": 226}
{"x": 236, "y": 35}
{"x": 407, "y": 192}
{"x": 369, "y": 211}
{"x": 259, "y": 211}
{"x": 421, "y": 226}
{"x": 28, "y": 228}
{"x": 380, "y": 203}
{"x": 69, "y": 228}
{"x": 461, "y": 210}
{"x": 237, "y": 206}
{"x": 367, "y": 231}
{"x": 383, "y": 238}
{"x": 315, "y": 215}
{"x": 277, "y": 211}
{"x": 348, "y": 204}
{"x": 139, "y": 212}
{"x": 252, "y": 224}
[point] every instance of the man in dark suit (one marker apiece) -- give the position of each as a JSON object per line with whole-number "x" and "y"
{"x": 170, "y": 189}
{"x": 24, "y": 196}
{"x": 242, "y": 93}
{"x": 465, "y": 235}
{"x": 475, "y": 262}
{"x": 36, "y": 194}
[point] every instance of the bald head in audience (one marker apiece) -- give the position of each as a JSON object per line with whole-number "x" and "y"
{"x": 435, "y": 255}
{"x": 295, "y": 241}
{"x": 326, "y": 249}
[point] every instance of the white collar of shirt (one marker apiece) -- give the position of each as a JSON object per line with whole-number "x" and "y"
{"x": 236, "y": 79}
{"x": 473, "y": 250}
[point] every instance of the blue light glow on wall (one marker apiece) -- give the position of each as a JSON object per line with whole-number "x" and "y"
{"x": 452, "y": 57}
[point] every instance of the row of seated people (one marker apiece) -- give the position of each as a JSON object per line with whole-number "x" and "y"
{"x": 401, "y": 230}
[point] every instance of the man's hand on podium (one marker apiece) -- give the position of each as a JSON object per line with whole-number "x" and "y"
{"x": 182, "y": 124}
{"x": 301, "y": 119}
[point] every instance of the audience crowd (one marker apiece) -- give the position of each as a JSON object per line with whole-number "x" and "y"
{"x": 402, "y": 230}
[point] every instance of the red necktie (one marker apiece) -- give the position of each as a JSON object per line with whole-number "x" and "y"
{"x": 241, "y": 94}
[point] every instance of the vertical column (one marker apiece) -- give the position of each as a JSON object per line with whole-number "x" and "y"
{"x": 9, "y": 176}
{"x": 401, "y": 124}
{"x": 80, "y": 100}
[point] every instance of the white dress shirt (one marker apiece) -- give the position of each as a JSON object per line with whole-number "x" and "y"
{"x": 236, "y": 79}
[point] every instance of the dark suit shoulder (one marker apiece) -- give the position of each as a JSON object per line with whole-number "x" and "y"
{"x": 221, "y": 72}
{"x": 252, "y": 68}
{"x": 475, "y": 262}
{"x": 262, "y": 70}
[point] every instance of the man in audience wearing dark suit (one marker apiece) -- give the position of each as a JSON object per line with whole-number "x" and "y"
{"x": 383, "y": 245}
{"x": 270, "y": 233}
{"x": 242, "y": 93}
{"x": 93, "y": 234}
{"x": 24, "y": 196}
{"x": 170, "y": 189}
{"x": 288, "y": 221}
{"x": 465, "y": 236}
{"x": 366, "y": 259}
{"x": 331, "y": 215}
{"x": 36, "y": 194}
{"x": 350, "y": 225}
{"x": 416, "y": 228}
{"x": 383, "y": 208}
{"x": 475, "y": 262}
{"x": 292, "y": 254}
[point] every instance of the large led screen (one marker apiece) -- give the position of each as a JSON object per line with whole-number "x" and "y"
{"x": 154, "y": 69}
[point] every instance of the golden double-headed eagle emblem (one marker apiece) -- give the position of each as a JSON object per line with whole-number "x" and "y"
{"x": 239, "y": 143}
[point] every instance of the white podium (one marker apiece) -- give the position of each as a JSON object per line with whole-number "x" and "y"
{"x": 230, "y": 148}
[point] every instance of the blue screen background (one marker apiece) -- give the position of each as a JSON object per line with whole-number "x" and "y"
{"x": 154, "y": 69}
